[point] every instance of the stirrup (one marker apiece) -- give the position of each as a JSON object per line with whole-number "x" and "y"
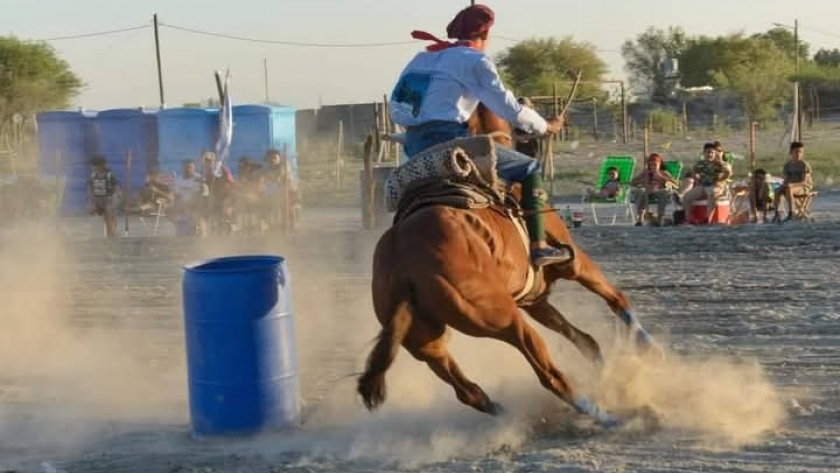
{"x": 560, "y": 254}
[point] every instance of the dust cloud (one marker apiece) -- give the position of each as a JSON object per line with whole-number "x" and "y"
{"x": 68, "y": 378}
{"x": 726, "y": 402}
{"x": 64, "y": 379}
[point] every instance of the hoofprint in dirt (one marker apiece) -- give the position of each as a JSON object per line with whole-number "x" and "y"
{"x": 93, "y": 370}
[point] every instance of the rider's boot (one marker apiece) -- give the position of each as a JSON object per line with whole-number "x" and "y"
{"x": 534, "y": 198}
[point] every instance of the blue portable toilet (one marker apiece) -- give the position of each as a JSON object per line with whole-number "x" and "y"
{"x": 68, "y": 134}
{"x": 123, "y": 130}
{"x": 67, "y": 138}
{"x": 256, "y": 128}
{"x": 185, "y": 133}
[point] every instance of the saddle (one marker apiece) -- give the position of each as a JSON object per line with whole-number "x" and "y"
{"x": 460, "y": 173}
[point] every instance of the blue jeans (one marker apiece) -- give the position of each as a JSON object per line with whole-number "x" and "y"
{"x": 512, "y": 165}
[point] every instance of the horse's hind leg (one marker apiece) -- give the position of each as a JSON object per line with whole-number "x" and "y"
{"x": 427, "y": 342}
{"x": 522, "y": 336}
{"x": 548, "y": 315}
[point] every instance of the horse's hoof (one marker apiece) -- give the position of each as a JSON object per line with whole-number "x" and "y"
{"x": 598, "y": 361}
{"x": 649, "y": 418}
{"x": 648, "y": 347}
{"x": 654, "y": 352}
{"x": 643, "y": 419}
{"x": 610, "y": 423}
{"x": 495, "y": 409}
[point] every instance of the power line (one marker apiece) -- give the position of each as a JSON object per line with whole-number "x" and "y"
{"x": 286, "y": 42}
{"x": 818, "y": 31}
{"x": 98, "y": 33}
{"x": 323, "y": 45}
{"x": 259, "y": 40}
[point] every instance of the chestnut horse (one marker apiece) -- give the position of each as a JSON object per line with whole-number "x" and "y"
{"x": 442, "y": 267}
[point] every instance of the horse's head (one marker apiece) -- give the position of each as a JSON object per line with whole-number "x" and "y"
{"x": 485, "y": 122}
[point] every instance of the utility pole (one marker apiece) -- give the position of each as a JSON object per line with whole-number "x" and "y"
{"x": 796, "y": 41}
{"x": 265, "y": 73}
{"x": 157, "y": 53}
{"x": 797, "y": 85}
{"x": 624, "y": 124}
{"x": 796, "y": 126}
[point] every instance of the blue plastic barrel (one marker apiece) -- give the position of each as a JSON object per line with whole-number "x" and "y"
{"x": 240, "y": 337}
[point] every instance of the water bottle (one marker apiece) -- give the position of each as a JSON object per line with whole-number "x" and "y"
{"x": 577, "y": 218}
{"x": 567, "y": 215}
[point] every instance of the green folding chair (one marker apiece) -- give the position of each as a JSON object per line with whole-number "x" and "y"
{"x": 625, "y": 166}
{"x": 674, "y": 168}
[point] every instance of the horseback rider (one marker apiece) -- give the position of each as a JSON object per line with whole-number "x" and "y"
{"x": 440, "y": 89}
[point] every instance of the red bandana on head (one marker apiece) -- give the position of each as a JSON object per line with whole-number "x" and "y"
{"x": 468, "y": 23}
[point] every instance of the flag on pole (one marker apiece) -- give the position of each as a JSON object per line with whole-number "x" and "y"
{"x": 225, "y": 127}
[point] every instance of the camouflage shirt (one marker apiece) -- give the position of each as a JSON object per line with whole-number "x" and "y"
{"x": 713, "y": 172}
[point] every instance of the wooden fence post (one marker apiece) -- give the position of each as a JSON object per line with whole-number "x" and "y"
{"x": 339, "y": 158}
{"x": 368, "y": 184}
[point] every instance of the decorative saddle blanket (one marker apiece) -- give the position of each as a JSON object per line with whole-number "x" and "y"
{"x": 469, "y": 160}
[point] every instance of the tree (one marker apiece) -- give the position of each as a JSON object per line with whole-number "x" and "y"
{"x": 33, "y": 78}
{"x": 828, "y": 57}
{"x": 533, "y": 66}
{"x": 699, "y": 61}
{"x": 643, "y": 59}
{"x": 760, "y": 75}
{"x": 785, "y": 40}
{"x": 704, "y": 56}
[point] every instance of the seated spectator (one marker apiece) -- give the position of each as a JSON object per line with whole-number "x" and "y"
{"x": 222, "y": 188}
{"x": 280, "y": 181}
{"x": 759, "y": 193}
{"x": 797, "y": 180}
{"x": 611, "y": 187}
{"x": 156, "y": 191}
{"x": 710, "y": 176}
{"x": 653, "y": 181}
{"x": 190, "y": 190}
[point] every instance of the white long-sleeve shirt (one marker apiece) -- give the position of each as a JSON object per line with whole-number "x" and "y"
{"x": 447, "y": 85}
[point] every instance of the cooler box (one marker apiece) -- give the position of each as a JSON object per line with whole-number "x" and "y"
{"x": 699, "y": 214}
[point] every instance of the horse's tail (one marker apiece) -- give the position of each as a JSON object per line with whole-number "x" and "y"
{"x": 371, "y": 385}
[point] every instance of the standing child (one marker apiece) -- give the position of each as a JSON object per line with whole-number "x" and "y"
{"x": 102, "y": 193}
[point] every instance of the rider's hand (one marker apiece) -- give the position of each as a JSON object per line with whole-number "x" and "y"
{"x": 555, "y": 125}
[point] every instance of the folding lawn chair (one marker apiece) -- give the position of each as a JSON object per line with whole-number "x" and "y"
{"x": 625, "y": 166}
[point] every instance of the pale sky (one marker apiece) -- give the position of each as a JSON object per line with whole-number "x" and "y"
{"x": 120, "y": 69}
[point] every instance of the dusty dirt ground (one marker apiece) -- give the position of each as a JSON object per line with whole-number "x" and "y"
{"x": 92, "y": 361}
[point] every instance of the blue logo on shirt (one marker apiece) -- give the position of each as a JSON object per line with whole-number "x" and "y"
{"x": 411, "y": 90}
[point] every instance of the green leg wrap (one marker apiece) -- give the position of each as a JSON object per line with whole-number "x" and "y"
{"x": 533, "y": 200}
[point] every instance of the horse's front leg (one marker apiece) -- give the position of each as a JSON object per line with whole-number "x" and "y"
{"x": 583, "y": 270}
